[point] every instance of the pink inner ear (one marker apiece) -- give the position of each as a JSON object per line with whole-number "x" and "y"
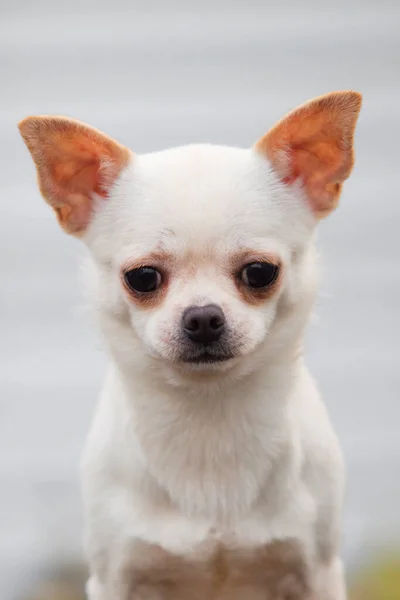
{"x": 315, "y": 143}
{"x": 74, "y": 162}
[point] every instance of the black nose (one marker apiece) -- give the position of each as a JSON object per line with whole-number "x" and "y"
{"x": 203, "y": 324}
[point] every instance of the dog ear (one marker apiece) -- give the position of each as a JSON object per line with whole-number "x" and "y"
{"x": 75, "y": 164}
{"x": 314, "y": 143}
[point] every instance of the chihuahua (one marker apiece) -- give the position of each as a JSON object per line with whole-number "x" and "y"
{"x": 211, "y": 469}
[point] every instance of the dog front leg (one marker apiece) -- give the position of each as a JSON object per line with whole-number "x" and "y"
{"x": 132, "y": 573}
{"x": 95, "y": 589}
{"x": 331, "y": 581}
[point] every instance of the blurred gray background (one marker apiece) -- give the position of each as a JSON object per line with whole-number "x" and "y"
{"x": 158, "y": 74}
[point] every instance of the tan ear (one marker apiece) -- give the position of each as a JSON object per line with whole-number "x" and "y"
{"x": 315, "y": 143}
{"x": 74, "y": 163}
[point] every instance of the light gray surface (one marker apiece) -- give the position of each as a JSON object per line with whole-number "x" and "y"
{"x": 153, "y": 78}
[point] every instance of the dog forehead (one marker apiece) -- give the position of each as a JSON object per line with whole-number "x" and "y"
{"x": 204, "y": 190}
{"x": 202, "y": 196}
{"x": 198, "y": 181}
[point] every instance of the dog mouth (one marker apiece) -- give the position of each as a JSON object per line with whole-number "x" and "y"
{"x": 206, "y": 356}
{"x": 207, "y": 359}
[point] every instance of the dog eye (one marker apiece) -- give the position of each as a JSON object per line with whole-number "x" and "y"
{"x": 259, "y": 274}
{"x": 143, "y": 279}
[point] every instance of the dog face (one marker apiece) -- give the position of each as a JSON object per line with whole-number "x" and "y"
{"x": 202, "y": 252}
{"x": 202, "y": 256}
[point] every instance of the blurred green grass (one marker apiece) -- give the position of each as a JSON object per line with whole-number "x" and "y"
{"x": 380, "y": 580}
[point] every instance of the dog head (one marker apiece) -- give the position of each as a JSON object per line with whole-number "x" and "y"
{"x": 202, "y": 256}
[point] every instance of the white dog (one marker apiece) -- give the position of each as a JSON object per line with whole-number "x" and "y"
{"x": 211, "y": 470}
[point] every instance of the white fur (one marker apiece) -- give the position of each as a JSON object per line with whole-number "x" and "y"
{"x": 187, "y": 456}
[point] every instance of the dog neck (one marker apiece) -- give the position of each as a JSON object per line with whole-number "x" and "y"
{"x": 234, "y": 430}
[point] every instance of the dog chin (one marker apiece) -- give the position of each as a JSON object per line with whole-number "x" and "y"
{"x": 206, "y": 370}
{"x": 207, "y": 365}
